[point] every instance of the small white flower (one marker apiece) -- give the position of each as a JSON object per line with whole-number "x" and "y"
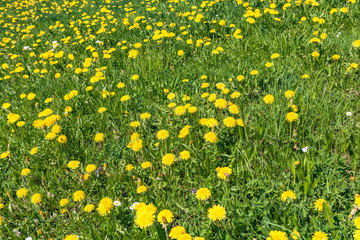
{"x": 117, "y": 203}
{"x": 27, "y": 48}
{"x": 348, "y": 114}
{"x": 134, "y": 205}
{"x": 55, "y": 44}
{"x": 337, "y": 35}
{"x": 305, "y": 149}
{"x": 28, "y": 238}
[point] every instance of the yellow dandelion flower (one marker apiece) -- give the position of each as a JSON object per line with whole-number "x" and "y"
{"x": 274, "y": 55}
{"x": 295, "y": 235}
{"x": 285, "y": 196}
{"x": 89, "y": 208}
{"x": 212, "y": 97}
{"x": 210, "y": 137}
{"x": 73, "y": 164}
{"x": 356, "y": 43}
{"x": 145, "y": 165}
{"x": 356, "y": 235}
{"x": 102, "y": 109}
{"x": 223, "y": 172}
{"x": 291, "y": 117}
{"x": 319, "y": 235}
{"x": 62, "y": 139}
{"x": 269, "y": 99}
{"x": 230, "y": 122}
{"x": 168, "y": 159}
{"x": 36, "y": 198}
{"x": 234, "y": 109}
{"x": 175, "y": 232}
{"x": 165, "y": 216}
{"x": 78, "y": 196}
{"x": 184, "y": 236}
{"x": 240, "y": 78}
{"x": 289, "y": 94}
{"x": 20, "y": 123}
{"x": 90, "y": 168}
{"x": 99, "y": 137}
{"x": 50, "y": 136}
{"x": 71, "y": 237}
{"x": 192, "y": 109}
{"x": 180, "y": 110}
{"x": 162, "y": 134}
{"x": 141, "y": 189}
{"x": 235, "y": 95}
{"x": 144, "y": 219}
{"x": 6, "y": 105}
{"x": 25, "y": 172}
{"x": 240, "y": 122}
{"x": 135, "y": 124}
{"x": 63, "y": 202}
{"x": 357, "y": 222}
{"x": 269, "y": 64}
{"x": 211, "y": 122}
{"x": 185, "y": 155}
{"x": 105, "y": 206}
{"x": 56, "y": 129}
{"x": 254, "y": 72}
{"x": 129, "y": 167}
{"x": 216, "y": 212}
{"x": 221, "y": 103}
{"x": 22, "y": 192}
{"x": 319, "y": 204}
{"x": 145, "y": 116}
{"x": 278, "y": 235}
{"x": 203, "y": 194}
{"x": 133, "y": 53}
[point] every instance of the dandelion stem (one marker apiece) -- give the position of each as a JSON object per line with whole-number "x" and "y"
{"x": 166, "y": 233}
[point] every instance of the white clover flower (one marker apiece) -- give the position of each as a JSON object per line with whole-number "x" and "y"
{"x": 29, "y": 238}
{"x": 305, "y": 149}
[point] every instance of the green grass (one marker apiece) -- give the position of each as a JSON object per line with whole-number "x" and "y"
{"x": 265, "y": 155}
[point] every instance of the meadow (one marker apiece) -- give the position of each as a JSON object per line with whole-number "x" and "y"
{"x": 179, "y": 119}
